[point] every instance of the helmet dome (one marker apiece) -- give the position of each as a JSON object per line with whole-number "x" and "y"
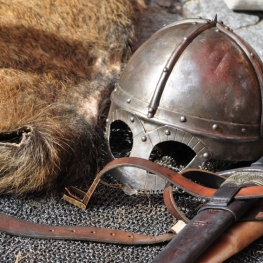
{"x": 194, "y": 82}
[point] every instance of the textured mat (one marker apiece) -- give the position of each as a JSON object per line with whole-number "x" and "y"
{"x": 109, "y": 207}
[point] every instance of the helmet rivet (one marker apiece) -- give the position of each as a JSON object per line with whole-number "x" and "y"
{"x": 252, "y": 55}
{"x": 185, "y": 38}
{"x": 107, "y": 120}
{"x": 215, "y": 126}
{"x": 165, "y": 69}
{"x": 167, "y": 132}
{"x": 150, "y": 110}
{"x": 243, "y": 130}
{"x": 217, "y": 30}
{"x": 182, "y": 119}
{"x": 128, "y": 100}
{"x": 132, "y": 119}
{"x": 144, "y": 138}
{"x": 115, "y": 90}
{"x": 206, "y": 155}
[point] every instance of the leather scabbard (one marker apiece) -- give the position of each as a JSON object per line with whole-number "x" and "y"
{"x": 236, "y": 237}
{"x": 232, "y": 241}
{"x": 200, "y": 233}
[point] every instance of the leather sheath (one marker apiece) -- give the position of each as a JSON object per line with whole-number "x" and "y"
{"x": 232, "y": 241}
{"x": 200, "y": 233}
{"x": 236, "y": 238}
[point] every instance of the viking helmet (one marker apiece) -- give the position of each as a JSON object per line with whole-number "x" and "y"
{"x": 196, "y": 83}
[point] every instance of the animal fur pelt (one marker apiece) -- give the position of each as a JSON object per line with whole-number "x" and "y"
{"x": 57, "y": 61}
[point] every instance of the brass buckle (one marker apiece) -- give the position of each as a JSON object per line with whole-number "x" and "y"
{"x": 78, "y": 197}
{"x": 71, "y": 196}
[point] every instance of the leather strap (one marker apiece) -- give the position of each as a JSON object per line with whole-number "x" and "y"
{"x": 208, "y": 179}
{"x": 15, "y": 226}
{"x": 172, "y": 205}
{"x": 177, "y": 179}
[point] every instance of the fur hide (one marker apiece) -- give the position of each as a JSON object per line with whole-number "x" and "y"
{"x": 58, "y": 59}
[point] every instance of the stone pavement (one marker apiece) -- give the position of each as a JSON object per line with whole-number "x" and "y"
{"x": 249, "y": 25}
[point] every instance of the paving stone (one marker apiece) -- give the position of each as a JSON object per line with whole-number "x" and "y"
{"x": 208, "y": 9}
{"x": 253, "y": 35}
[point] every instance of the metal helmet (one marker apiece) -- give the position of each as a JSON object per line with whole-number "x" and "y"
{"x": 194, "y": 82}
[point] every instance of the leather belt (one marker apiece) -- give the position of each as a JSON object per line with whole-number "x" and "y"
{"x": 15, "y": 226}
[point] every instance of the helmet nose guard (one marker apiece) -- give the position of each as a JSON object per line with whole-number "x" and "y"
{"x": 194, "y": 82}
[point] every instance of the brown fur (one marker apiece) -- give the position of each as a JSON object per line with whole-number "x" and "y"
{"x": 56, "y": 62}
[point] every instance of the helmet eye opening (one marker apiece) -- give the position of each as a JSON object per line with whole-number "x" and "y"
{"x": 120, "y": 139}
{"x": 173, "y": 154}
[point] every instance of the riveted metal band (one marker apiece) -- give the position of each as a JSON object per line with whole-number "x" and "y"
{"x": 209, "y": 128}
{"x": 148, "y": 139}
